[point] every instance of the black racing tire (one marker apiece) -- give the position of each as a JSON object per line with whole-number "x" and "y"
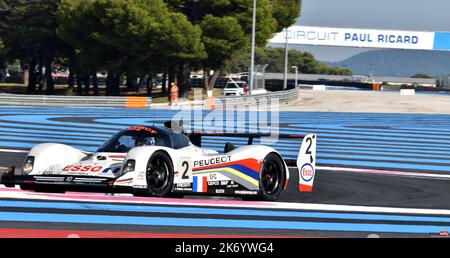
{"x": 272, "y": 178}
{"x": 159, "y": 175}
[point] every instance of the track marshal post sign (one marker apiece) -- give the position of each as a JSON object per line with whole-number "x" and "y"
{"x": 368, "y": 38}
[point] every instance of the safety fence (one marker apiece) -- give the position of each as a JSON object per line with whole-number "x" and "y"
{"x": 74, "y": 101}
{"x": 260, "y": 100}
{"x": 281, "y": 97}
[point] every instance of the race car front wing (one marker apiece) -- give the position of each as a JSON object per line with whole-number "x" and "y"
{"x": 67, "y": 182}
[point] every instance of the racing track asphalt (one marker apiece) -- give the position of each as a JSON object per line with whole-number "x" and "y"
{"x": 332, "y": 186}
{"x": 335, "y": 187}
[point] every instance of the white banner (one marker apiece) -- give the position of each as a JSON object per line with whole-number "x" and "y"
{"x": 356, "y": 38}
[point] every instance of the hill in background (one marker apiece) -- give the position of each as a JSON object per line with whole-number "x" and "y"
{"x": 398, "y": 63}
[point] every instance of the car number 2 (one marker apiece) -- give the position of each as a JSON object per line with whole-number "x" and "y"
{"x": 186, "y": 169}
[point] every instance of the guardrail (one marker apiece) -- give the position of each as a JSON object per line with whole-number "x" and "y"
{"x": 74, "y": 101}
{"x": 283, "y": 97}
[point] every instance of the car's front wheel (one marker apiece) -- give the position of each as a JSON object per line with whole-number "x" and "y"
{"x": 159, "y": 175}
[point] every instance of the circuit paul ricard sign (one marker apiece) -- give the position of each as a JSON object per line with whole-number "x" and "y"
{"x": 367, "y": 38}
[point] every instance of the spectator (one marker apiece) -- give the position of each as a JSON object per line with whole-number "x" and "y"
{"x": 173, "y": 94}
{"x": 246, "y": 89}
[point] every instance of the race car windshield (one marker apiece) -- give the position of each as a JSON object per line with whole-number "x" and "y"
{"x": 125, "y": 141}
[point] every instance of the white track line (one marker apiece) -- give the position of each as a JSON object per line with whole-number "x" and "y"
{"x": 97, "y": 198}
{"x": 368, "y": 209}
{"x": 14, "y": 151}
{"x": 388, "y": 173}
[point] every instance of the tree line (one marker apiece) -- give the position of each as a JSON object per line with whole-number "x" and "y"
{"x": 275, "y": 59}
{"x": 133, "y": 38}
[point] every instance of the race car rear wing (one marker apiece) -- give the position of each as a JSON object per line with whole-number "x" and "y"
{"x": 196, "y": 138}
{"x": 306, "y": 160}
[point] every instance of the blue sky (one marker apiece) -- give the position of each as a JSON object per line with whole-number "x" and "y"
{"x": 429, "y": 15}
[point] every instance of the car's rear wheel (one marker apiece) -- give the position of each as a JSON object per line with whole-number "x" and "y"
{"x": 271, "y": 178}
{"x": 159, "y": 175}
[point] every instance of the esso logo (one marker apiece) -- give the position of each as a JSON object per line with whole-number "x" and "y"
{"x": 80, "y": 168}
{"x": 307, "y": 172}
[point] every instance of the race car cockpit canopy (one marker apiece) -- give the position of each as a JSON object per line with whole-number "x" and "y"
{"x": 138, "y": 136}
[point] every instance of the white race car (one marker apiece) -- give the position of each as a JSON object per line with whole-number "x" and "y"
{"x": 156, "y": 161}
